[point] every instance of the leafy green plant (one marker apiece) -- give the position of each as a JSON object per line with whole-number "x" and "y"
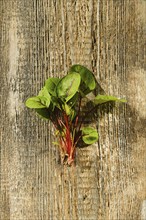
{"x": 61, "y": 102}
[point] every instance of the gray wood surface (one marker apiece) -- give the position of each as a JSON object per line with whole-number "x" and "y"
{"x": 42, "y": 38}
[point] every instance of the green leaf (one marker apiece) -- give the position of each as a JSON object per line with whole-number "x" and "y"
{"x": 68, "y": 86}
{"x": 89, "y": 135}
{"x": 56, "y": 102}
{"x": 51, "y": 84}
{"x": 67, "y": 109}
{"x": 100, "y": 99}
{"x": 45, "y": 101}
{"x": 37, "y": 102}
{"x": 43, "y": 112}
{"x": 44, "y": 92}
{"x": 73, "y": 100}
{"x": 88, "y": 81}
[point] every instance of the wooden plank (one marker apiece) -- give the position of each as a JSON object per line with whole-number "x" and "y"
{"x": 39, "y": 39}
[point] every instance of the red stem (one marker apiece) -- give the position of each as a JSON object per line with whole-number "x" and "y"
{"x": 68, "y": 137}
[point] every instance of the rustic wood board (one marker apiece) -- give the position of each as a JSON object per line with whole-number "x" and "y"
{"x": 42, "y": 38}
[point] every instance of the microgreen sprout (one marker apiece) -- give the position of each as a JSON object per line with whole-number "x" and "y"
{"x": 61, "y": 102}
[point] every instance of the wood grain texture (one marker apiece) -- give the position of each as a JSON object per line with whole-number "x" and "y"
{"x": 43, "y": 38}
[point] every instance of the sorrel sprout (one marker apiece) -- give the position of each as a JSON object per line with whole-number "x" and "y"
{"x": 60, "y": 102}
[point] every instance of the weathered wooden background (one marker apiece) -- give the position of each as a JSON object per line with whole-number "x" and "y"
{"x": 42, "y": 38}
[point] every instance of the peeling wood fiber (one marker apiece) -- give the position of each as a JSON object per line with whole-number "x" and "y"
{"x": 43, "y": 38}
